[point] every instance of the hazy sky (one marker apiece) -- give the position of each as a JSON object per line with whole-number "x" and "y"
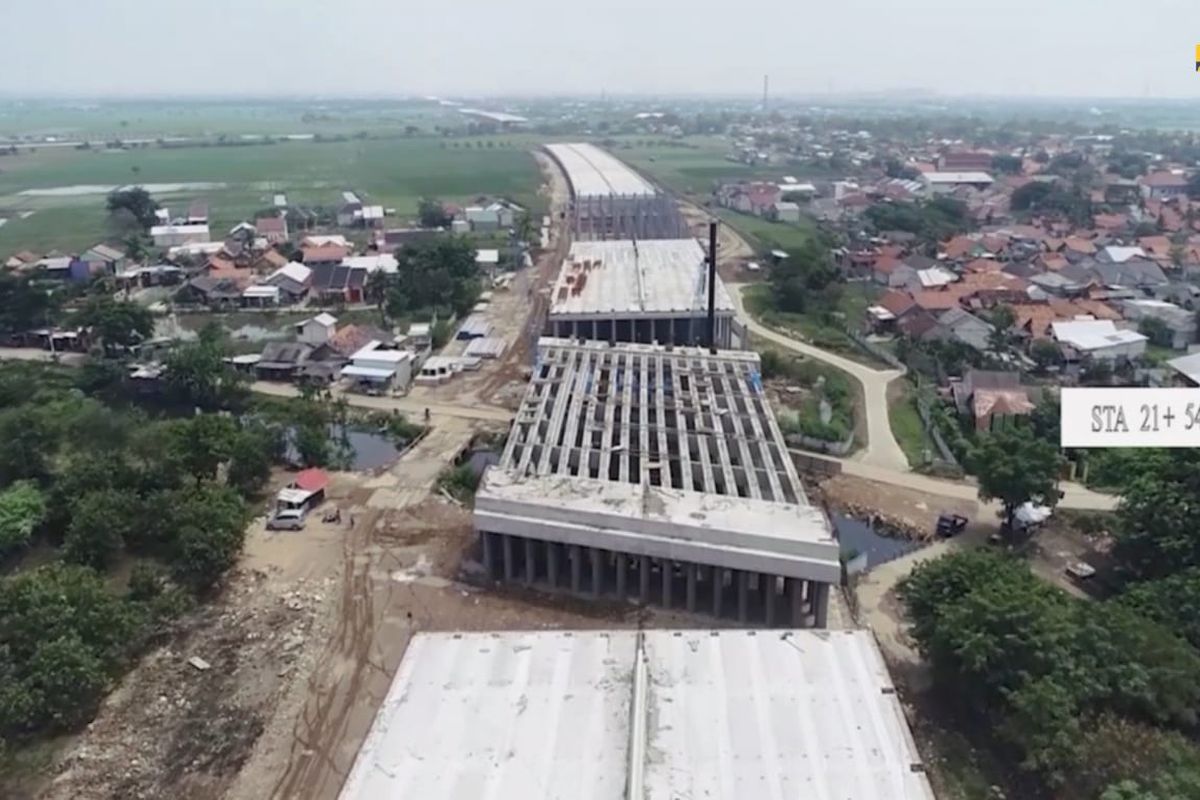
{"x": 1106, "y": 48}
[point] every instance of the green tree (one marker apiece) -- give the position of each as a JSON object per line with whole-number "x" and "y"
{"x": 137, "y": 247}
{"x": 22, "y": 510}
{"x": 135, "y": 205}
{"x": 196, "y": 375}
{"x": 1027, "y": 197}
{"x": 1045, "y": 354}
{"x": 1015, "y": 466}
{"x": 62, "y": 635}
{"x": 525, "y": 228}
{"x": 101, "y": 522}
{"x": 1157, "y": 331}
{"x": 432, "y": 213}
{"x": 23, "y": 304}
{"x": 29, "y": 443}
{"x": 250, "y": 459}
{"x": 1158, "y": 531}
{"x": 1171, "y": 601}
{"x": 210, "y": 524}
{"x": 203, "y": 443}
{"x": 1006, "y": 164}
{"x": 1001, "y": 337}
{"x": 117, "y": 324}
{"x": 437, "y": 274}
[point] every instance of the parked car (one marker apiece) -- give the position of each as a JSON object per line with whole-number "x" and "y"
{"x": 286, "y": 519}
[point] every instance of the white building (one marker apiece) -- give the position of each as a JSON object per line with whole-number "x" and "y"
{"x": 943, "y": 182}
{"x": 1179, "y": 321}
{"x": 1100, "y": 339}
{"x": 654, "y": 290}
{"x": 176, "y": 235}
{"x": 653, "y": 715}
{"x": 317, "y": 330}
{"x": 379, "y": 368}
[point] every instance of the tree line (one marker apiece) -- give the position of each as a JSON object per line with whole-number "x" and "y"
{"x": 1090, "y": 699}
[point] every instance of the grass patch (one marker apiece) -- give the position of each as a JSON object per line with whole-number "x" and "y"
{"x": 840, "y": 390}
{"x": 767, "y": 235}
{"x": 820, "y": 330}
{"x": 908, "y": 429}
{"x": 459, "y": 482}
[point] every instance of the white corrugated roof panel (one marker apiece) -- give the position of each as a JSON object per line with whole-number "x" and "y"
{"x": 1093, "y": 334}
{"x": 594, "y": 172}
{"x": 726, "y": 714}
{"x": 649, "y": 277}
{"x": 776, "y": 714}
{"x": 514, "y": 715}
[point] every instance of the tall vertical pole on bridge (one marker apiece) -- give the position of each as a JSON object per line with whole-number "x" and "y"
{"x": 712, "y": 287}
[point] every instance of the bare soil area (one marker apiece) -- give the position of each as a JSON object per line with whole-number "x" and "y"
{"x": 908, "y": 510}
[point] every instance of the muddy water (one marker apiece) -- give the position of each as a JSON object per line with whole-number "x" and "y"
{"x": 858, "y": 536}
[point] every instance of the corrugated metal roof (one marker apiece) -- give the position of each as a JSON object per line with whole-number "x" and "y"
{"x": 593, "y": 172}
{"x": 718, "y": 714}
{"x": 514, "y": 715}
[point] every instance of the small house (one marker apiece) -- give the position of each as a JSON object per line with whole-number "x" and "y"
{"x": 338, "y": 284}
{"x": 377, "y": 367}
{"x": 273, "y": 229}
{"x": 317, "y": 330}
{"x": 293, "y": 280}
{"x": 281, "y": 360}
{"x": 177, "y": 235}
{"x": 104, "y": 258}
{"x": 785, "y": 211}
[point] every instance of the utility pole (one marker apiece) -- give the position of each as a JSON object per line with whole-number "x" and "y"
{"x": 766, "y": 84}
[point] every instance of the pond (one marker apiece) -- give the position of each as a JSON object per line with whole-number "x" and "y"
{"x": 369, "y": 450}
{"x": 858, "y": 536}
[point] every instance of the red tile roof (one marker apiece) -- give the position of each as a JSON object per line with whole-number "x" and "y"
{"x": 936, "y": 300}
{"x": 311, "y": 479}
{"x": 324, "y": 253}
{"x": 887, "y": 264}
{"x": 897, "y": 302}
{"x": 1165, "y": 180}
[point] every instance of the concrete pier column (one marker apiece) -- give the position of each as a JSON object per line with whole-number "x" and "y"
{"x": 644, "y": 579}
{"x": 743, "y": 590}
{"x": 718, "y": 588}
{"x": 691, "y": 570}
{"x": 594, "y": 324}
{"x": 510, "y": 566}
{"x": 820, "y": 605}
{"x": 767, "y": 584}
{"x": 668, "y": 573}
{"x": 489, "y": 556}
{"x": 795, "y": 593}
{"x": 576, "y": 557}
{"x": 530, "y": 562}
{"x": 621, "y": 569}
{"x": 597, "y": 575}
{"x": 552, "y": 564}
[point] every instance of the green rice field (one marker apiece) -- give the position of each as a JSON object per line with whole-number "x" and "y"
{"x": 393, "y": 172}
